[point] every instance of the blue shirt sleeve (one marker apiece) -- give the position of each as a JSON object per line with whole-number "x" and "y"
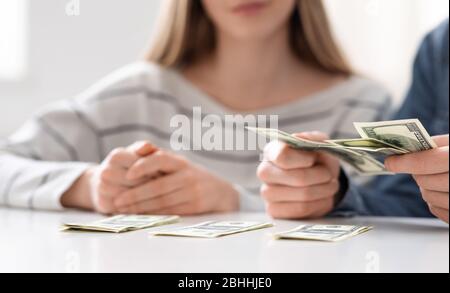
{"x": 427, "y": 100}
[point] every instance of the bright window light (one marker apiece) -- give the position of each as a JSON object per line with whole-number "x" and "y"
{"x": 381, "y": 37}
{"x": 13, "y": 35}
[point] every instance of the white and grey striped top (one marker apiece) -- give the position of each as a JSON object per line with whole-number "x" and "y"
{"x": 43, "y": 159}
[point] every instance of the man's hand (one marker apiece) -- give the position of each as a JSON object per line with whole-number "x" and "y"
{"x": 298, "y": 184}
{"x": 430, "y": 170}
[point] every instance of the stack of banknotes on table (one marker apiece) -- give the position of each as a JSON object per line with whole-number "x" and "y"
{"x": 330, "y": 233}
{"x": 214, "y": 229}
{"x": 122, "y": 223}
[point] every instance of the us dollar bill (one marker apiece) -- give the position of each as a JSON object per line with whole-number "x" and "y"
{"x": 213, "y": 229}
{"x": 378, "y": 140}
{"x": 370, "y": 145}
{"x": 363, "y": 163}
{"x": 329, "y": 233}
{"x": 122, "y": 223}
{"x": 408, "y": 134}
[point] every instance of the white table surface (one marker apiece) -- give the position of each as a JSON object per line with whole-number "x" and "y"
{"x": 30, "y": 241}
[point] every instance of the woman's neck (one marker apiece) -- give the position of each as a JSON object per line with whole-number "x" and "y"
{"x": 254, "y": 74}
{"x": 253, "y": 63}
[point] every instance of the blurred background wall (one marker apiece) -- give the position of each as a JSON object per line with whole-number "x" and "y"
{"x": 49, "y": 53}
{"x": 66, "y": 54}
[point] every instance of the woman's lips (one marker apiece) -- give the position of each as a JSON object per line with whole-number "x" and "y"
{"x": 249, "y": 8}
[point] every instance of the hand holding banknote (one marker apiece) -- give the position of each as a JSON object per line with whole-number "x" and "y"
{"x": 298, "y": 184}
{"x": 430, "y": 170}
{"x": 412, "y": 148}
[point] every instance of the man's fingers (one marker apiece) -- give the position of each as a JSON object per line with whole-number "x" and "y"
{"x": 440, "y": 213}
{"x": 313, "y": 135}
{"x": 422, "y": 163}
{"x": 435, "y": 198}
{"x": 152, "y": 189}
{"x": 307, "y": 194}
{"x": 330, "y": 162}
{"x": 441, "y": 140}
{"x": 300, "y": 210}
{"x": 438, "y": 182}
{"x": 271, "y": 174}
{"x": 285, "y": 157}
{"x": 155, "y": 164}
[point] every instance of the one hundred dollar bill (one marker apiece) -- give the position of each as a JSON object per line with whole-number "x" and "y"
{"x": 122, "y": 223}
{"x": 378, "y": 140}
{"x": 330, "y": 233}
{"x": 370, "y": 145}
{"x": 213, "y": 229}
{"x": 295, "y": 142}
{"x": 408, "y": 134}
{"x": 362, "y": 162}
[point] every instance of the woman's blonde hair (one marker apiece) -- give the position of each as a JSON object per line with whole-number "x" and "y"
{"x": 185, "y": 33}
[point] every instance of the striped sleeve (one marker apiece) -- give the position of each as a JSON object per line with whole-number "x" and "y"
{"x": 44, "y": 158}
{"x": 27, "y": 183}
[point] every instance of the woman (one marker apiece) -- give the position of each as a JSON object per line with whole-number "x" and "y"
{"x": 228, "y": 57}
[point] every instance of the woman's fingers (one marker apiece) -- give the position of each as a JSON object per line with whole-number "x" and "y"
{"x": 142, "y": 148}
{"x": 184, "y": 209}
{"x": 116, "y": 176}
{"x": 313, "y": 135}
{"x": 273, "y": 175}
{"x": 157, "y": 204}
{"x": 298, "y": 184}
{"x": 286, "y": 194}
{"x": 153, "y": 165}
{"x": 152, "y": 189}
{"x": 287, "y": 158}
{"x": 110, "y": 190}
{"x": 126, "y": 157}
{"x": 297, "y": 210}
{"x": 121, "y": 157}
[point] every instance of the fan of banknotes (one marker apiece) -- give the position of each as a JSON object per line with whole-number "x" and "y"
{"x": 378, "y": 140}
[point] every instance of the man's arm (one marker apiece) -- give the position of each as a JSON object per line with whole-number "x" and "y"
{"x": 399, "y": 195}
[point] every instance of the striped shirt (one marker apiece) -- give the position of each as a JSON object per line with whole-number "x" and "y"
{"x": 48, "y": 154}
